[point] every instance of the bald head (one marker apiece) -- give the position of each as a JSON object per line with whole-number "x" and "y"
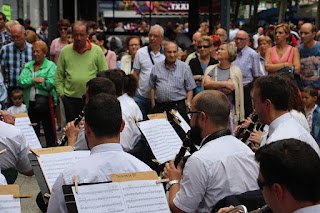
{"x": 195, "y": 37}
{"x": 241, "y": 39}
{"x": 307, "y": 34}
{"x": 215, "y": 105}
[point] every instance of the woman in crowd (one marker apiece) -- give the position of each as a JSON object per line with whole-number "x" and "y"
{"x": 133, "y": 44}
{"x": 199, "y": 64}
{"x": 99, "y": 38}
{"x": 38, "y": 80}
{"x": 227, "y": 78}
{"x": 282, "y": 57}
{"x": 59, "y": 43}
{"x": 216, "y": 43}
{"x": 264, "y": 43}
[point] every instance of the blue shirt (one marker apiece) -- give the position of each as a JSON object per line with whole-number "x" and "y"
{"x": 13, "y": 60}
{"x": 310, "y": 65}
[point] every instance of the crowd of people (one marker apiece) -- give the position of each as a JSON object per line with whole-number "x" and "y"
{"x": 217, "y": 84}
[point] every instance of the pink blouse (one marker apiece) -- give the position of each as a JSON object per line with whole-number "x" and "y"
{"x": 55, "y": 49}
{"x": 287, "y": 57}
{"x": 111, "y": 59}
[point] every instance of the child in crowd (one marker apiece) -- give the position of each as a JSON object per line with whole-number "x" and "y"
{"x": 17, "y": 99}
{"x": 69, "y": 36}
{"x": 309, "y": 98}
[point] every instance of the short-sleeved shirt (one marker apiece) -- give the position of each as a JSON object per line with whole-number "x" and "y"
{"x": 13, "y": 60}
{"x": 171, "y": 84}
{"x": 104, "y": 160}
{"x": 18, "y": 109}
{"x": 143, "y": 64}
{"x": 248, "y": 62}
{"x": 16, "y": 155}
{"x": 222, "y": 167}
{"x": 310, "y": 65}
{"x": 55, "y": 49}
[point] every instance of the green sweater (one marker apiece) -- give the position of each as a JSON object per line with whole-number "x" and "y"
{"x": 75, "y": 70}
{"x": 46, "y": 71}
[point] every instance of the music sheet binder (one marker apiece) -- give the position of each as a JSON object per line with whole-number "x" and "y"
{"x": 128, "y": 192}
{"x": 7, "y": 201}
{"x": 43, "y": 183}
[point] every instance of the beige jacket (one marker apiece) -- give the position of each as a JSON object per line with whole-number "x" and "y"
{"x": 236, "y": 77}
{"x": 125, "y": 64}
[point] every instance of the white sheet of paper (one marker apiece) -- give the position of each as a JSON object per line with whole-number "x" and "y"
{"x": 53, "y": 164}
{"x": 9, "y": 204}
{"x": 131, "y": 196}
{"x": 185, "y": 126}
{"x": 24, "y": 125}
{"x": 162, "y": 138}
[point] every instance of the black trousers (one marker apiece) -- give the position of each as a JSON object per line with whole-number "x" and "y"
{"x": 179, "y": 106}
{"x": 72, "y": 107}
{"x": 45, "y": 117}
{"x": 247, "y": 101}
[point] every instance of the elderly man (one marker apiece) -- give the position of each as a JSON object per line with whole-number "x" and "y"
{"x": 289, "y": 171}
{"x": 257, "y": 36}
{"x": 270, "y": 100}
{"x": 249, "y": 63}
{"x": 102, "y": 129}
{"x": 195, "y": 38}
{"x": 145, "y": 59}
{"x": 222, "y": 34}
{"x": 214, "y": 171}
{"x": 78, "y": 63}
{"x": 13, "y": 56}
{"x": 171, "y": 82}
{"x": 309, "y": 57}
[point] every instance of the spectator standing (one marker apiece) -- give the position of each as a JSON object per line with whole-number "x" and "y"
{"x": 222, "y": 34}
{"x": 248, "y": 62}
{"x": 78, "y": 63}
{"x": 195, "y": 54}
{"x": 134, "y": 43}
{"x": 5, "y": 37}
{"x": 257, "y": 36}
{"x": 145, "y": 59}
{"x": 42, "y": 31}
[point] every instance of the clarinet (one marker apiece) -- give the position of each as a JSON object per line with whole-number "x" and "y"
{"x": 242, "y": 128}
{"x": 64, "y": 138}
{"x": 250, "y": 128}
{"x": 186, "y": 145}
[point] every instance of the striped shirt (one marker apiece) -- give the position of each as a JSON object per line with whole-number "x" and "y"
{"x": 13, "y": 60}
{"x": 5, "y": 38}
{"x": 171, "y": 85}
{"x": 249, "y": 63}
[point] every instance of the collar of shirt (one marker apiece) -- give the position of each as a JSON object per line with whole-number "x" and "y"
{"x": 313, "y": 208}
{"x": 88, "y": 48}
{"x": 274, "y": 124}
{"x": 174, "y": 66}
{"x": 30, "y": 65}
{"x": 26, "y": 44}
{"x": 106, "y": 147}
{"x": 311, "y": 112}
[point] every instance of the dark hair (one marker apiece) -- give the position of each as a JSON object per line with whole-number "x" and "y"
{"x": 132, "y": 37}
{"x": 215, "y": 105}
{"x": 92, "y": 24}
{"x": 100, "y": 85}
{"x": 294, "y": 164}
{"x": 123, "y": 83}
{"x": 311, "y": 90}
{"x": 276, "y": 89}
{"x": 295, "y": 101}
{"x": 16, "y": 91}
{"x": 100, "y": 37}
{"x": 103, "y": 115}
{"x": 64, "y": 23}
{"x": 27, "y": 21}
{"x": 3, "y": 16}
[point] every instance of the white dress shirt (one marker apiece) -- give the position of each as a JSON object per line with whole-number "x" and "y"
{"x": 300, "y": 118}
{"x": 222, "y": 167}
{"x": 16, "y": 156}
{"x": 285, "y": 127}
{"x": 130, "y": 134}
{"x": 104, "y": 160}
{"x": 309, "y": 209}
{"x": 143, "y": 64}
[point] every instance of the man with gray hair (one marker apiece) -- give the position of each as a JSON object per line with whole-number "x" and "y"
{"x": 145, "y": 59}
{"x": 13, "y": 56}
{"x": 214, "y": 171}
{"x": 171, "y": 83}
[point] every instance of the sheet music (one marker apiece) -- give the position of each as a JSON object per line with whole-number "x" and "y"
{"x": 24, "y": 125}
{"x": 131, "y": 196}
{"x": 163, "y": 140}
{"x": 185, "y": 126}
{"x": 53, "y": 164}
{"x": 9, "y": 204}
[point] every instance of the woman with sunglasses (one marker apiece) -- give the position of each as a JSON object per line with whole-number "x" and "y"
{"x": 59, "y": 43}
{"x": 227, "y": 78}
{"x": 199, "y": 64}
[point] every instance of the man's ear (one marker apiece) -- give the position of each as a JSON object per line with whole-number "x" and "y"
{"x": 278, "y": 191}
{"x": 122, "y": 125}
{"x": 87, "y": 129}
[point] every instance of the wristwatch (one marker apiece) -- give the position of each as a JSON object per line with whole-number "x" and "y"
{"x": 168, "y": 185}
{"x": 189, "y": 105}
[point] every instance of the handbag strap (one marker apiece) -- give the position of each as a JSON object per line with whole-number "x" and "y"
{"x": 289, "y": 54}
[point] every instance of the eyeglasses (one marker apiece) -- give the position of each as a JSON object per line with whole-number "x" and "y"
{"x": 155, "y": 36}
{"x": 204, "y": 46}
{"x": 241, "y": 39}
{"x": 262, "y": 184}
{"x": 190, "y": 113}
{"x": 63, "y": 28}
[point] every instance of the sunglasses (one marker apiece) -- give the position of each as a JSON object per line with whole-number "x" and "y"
{"x": 63, "y": 28}
{"x": 204, "y": 46}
